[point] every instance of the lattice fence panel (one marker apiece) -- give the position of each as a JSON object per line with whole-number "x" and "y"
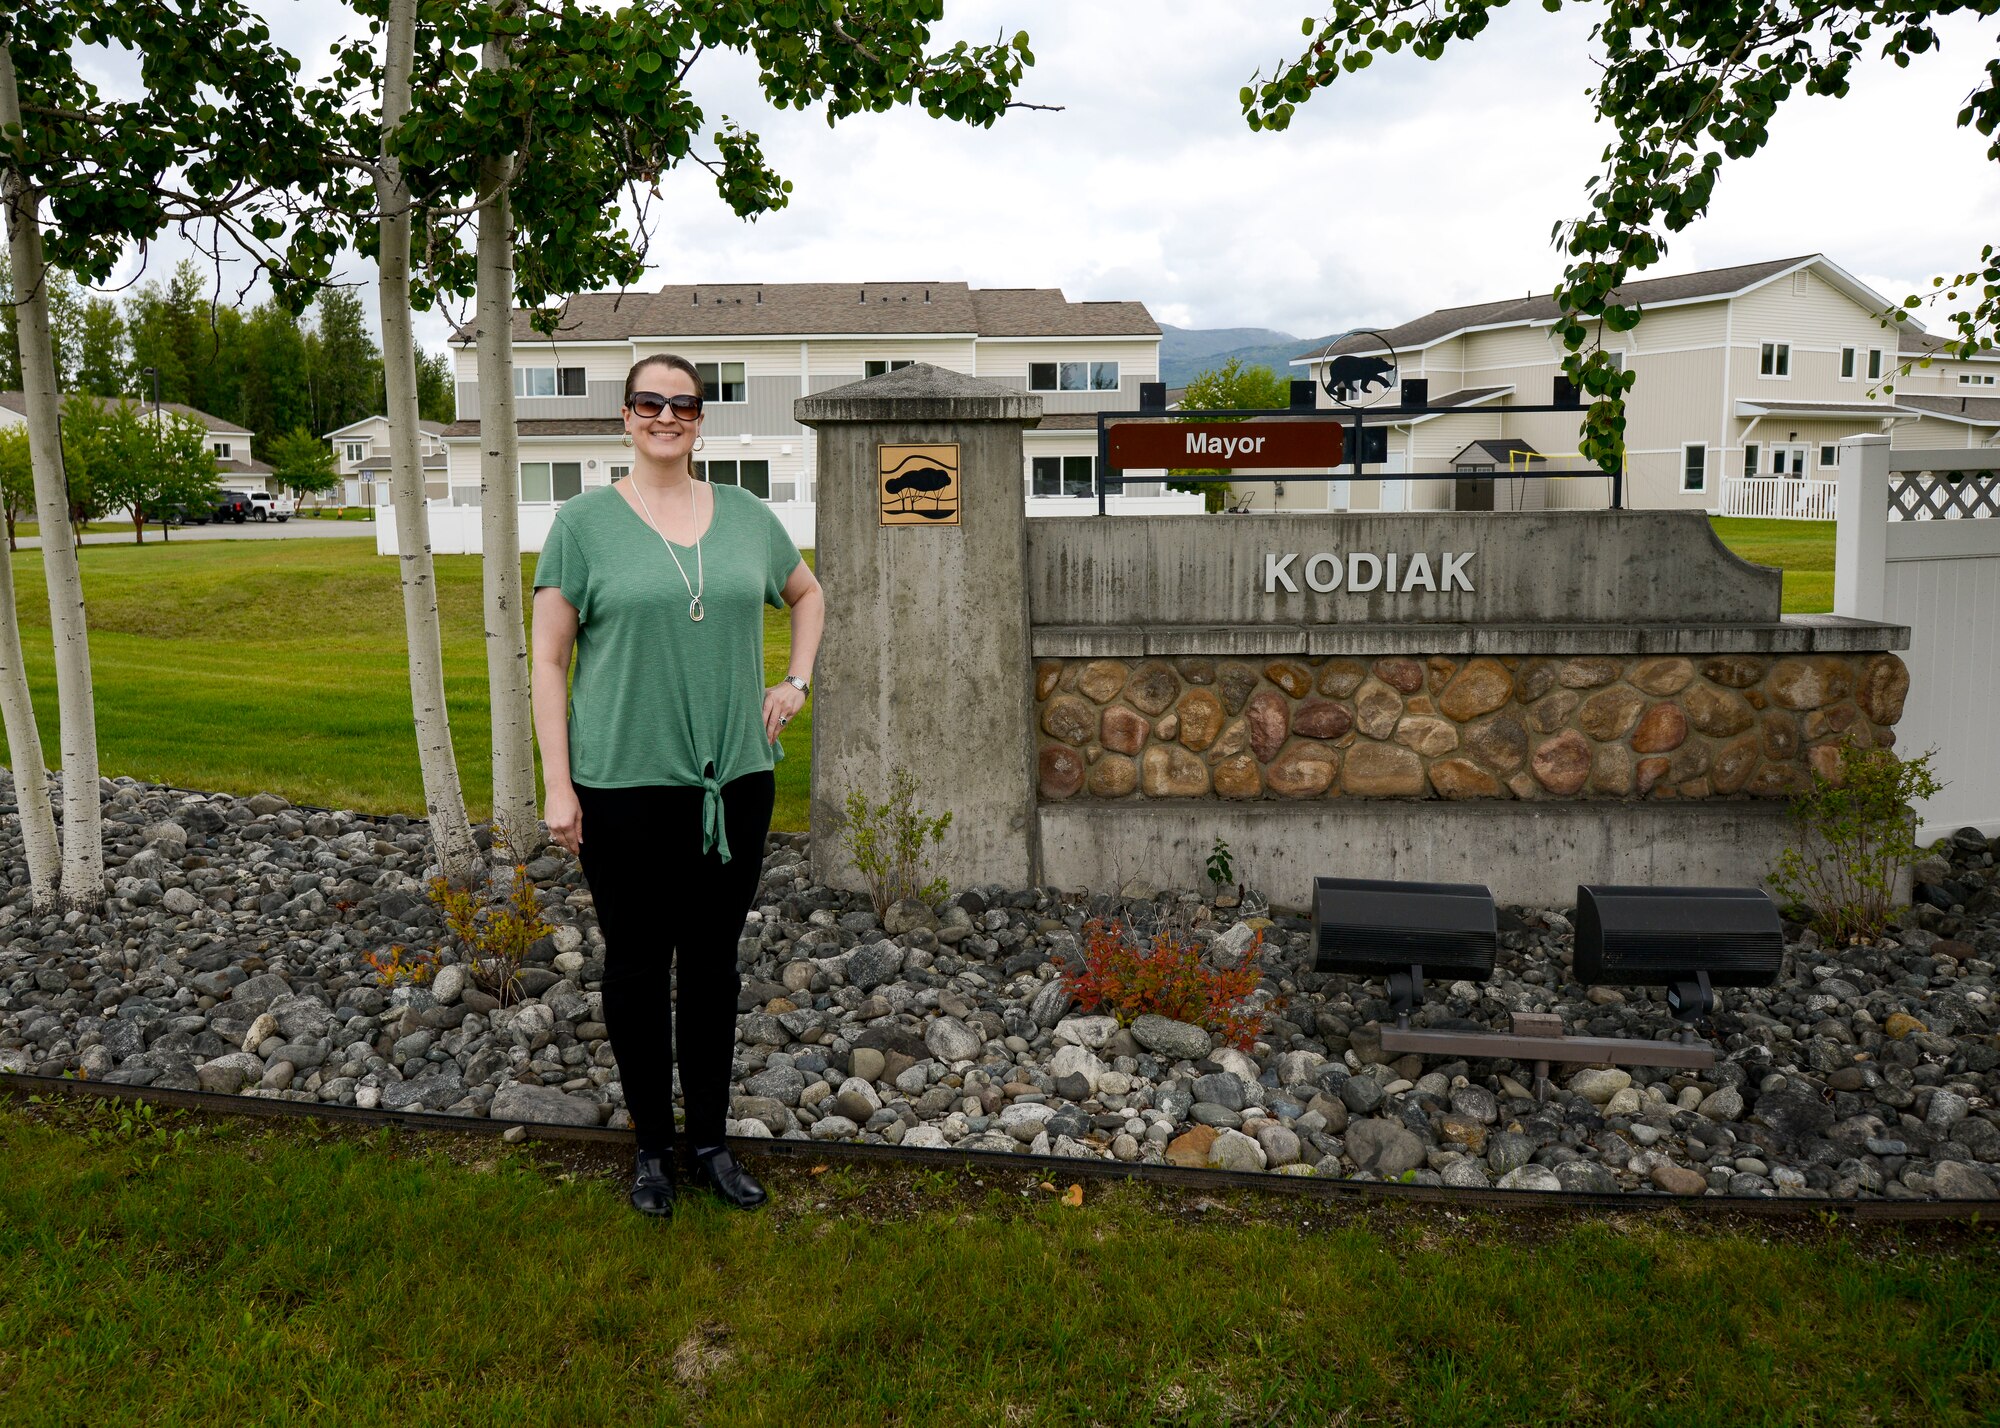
{"x": 1943, "y": 495}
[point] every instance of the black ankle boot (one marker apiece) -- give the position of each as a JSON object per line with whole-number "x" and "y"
{"x": 653, "y": 1184}
{"x": 718, "y": 1171}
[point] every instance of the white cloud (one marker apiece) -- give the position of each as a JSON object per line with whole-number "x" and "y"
{"x": 1407, "y": 186}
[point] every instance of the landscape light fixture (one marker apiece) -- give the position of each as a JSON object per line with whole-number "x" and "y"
{"x": 1403, "y": 932}
{"x": 1691, "y": 939}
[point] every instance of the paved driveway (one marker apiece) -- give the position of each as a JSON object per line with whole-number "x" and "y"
{"x": 294, "y": 529}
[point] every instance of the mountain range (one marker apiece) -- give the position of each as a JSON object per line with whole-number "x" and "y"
{"x": 1186, "y": 352}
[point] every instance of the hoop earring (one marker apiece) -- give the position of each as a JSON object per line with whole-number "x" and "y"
{"x": 626, "y": 439}
{"x": 699, "y": 443}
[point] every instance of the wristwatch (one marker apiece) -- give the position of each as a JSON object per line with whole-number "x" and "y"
{"x": 798, "y": 684}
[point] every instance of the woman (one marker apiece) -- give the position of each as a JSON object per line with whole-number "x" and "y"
{"x": 660, "y": 777}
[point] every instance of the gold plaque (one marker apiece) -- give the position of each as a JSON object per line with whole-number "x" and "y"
{"x": 918, "y": 485}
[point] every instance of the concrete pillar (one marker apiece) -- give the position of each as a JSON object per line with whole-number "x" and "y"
{"x": 925, "y": 663}
{"x": 1861, "y": 530}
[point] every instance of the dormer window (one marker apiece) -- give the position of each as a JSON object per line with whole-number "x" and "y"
{"x": 354, "y": 451}
{"x": 221, "y": 449}
{"x": 1775, "y": 360}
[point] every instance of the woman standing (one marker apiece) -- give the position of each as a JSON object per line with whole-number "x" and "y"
{"x": 659, "y": 779}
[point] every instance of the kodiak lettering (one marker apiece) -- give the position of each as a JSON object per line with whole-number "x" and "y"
{"x": 1361, "y": 572}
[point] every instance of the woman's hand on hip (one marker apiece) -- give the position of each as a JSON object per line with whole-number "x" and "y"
{"x": 564, "y": 815}
{"x": 781, "y": 702}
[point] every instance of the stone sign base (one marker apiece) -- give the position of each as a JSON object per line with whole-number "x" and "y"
{"x": 1528, "y": 853}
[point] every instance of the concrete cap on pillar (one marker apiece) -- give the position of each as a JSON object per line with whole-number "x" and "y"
{"x": 919, "y": 392}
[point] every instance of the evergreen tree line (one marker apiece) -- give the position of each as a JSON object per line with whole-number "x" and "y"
{"x": 260, "y": 367}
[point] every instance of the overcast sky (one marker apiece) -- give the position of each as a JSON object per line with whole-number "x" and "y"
{"x": 1407, "y": 187}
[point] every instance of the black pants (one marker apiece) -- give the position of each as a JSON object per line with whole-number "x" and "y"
{"x": 657, "y": 894}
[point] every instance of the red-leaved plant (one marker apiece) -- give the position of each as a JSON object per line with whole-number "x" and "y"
{"x": 1128, "y": 978}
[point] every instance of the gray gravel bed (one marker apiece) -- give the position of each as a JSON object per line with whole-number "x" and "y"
{"x": 230, "y": 958}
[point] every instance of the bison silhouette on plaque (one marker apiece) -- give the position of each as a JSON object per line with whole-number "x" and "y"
{"x": 919, "y": 485}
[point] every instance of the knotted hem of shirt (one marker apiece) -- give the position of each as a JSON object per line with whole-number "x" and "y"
{"x": 714, "y": 826}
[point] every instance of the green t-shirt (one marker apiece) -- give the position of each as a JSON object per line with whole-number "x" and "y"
{"x": 659, "y": 698}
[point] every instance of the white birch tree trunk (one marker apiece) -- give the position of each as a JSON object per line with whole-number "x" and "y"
{"x": 515, "y": 819}
{"x": 81, "y": 883}
{"x": 24, "y": 744}
{"x": 444, "y": 799}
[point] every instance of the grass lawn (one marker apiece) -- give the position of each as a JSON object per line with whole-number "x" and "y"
{"x": 1802, "y": 549}
{"x": 251, "y": 665}
{"x": 173, "y": 1271}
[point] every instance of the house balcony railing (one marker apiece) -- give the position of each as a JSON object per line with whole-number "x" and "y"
{"x": 1784, "y": 498}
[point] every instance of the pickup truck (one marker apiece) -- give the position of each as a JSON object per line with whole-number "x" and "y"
{"x": 266, "y": 507}
{"x": 232, "y": 506}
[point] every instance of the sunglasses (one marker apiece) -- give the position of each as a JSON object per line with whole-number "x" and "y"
{"x": 648, "y": 405}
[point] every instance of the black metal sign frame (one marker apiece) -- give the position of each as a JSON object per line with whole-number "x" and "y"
{"x": 1356, "y": 418}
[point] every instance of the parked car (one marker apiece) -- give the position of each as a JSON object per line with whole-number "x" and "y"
{"x": 168, "y": 513}
{"x": 234, "y": 506}
{"x": 266, "y": 507}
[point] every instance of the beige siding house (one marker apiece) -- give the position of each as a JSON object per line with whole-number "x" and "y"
{"x": 361, "y": 459}
{"x": 759, "y": 348}
{"x": 1748, "y": 377}
{"x": 235, "y": 468}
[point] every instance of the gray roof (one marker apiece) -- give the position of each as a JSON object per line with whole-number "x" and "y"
{"x": 548, "y": 426}
{"x": 1500, "y": 449}
{"x": 18, "y": 402}
{"x": 1983, "y": 410}
{"x": 1421, "y": 332}
{"x": 860, "y": 309}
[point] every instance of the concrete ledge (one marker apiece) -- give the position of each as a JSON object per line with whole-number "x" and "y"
{"x": 1794, "y": 634}
{"x": 1529, "y": 853}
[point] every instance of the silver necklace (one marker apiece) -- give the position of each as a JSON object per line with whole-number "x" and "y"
{"x": 700, "y": 582}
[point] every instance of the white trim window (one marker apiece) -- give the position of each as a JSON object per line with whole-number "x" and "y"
{"x": 1694, "y": 466}
{"x": 1072, "y": 376}
{"x": 1874, "y": 364}
{"x": 221, "y": 450}
{"x": 619, "y": 473}
{"x": 546, "y": 482}
{"x": 1062, "y": 476}
{"x": 549, "y": 382}
{"x": 354, "y": 452}
{"x": 881, "y": 367}
{"x": 1975, "y": 379}
{"x": 1829, "y": 456}
{"x": 1847, "y": 364}
{"x": 752, "y": 476}
{"x": 1750, "y": 458}
{"x": 1775, "y": 360}
{"x": 723, "y": 382}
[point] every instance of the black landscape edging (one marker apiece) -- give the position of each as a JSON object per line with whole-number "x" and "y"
{"x": 1052, "y": 1167}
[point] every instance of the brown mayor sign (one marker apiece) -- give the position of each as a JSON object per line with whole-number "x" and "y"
{"x": 1225, "y": 446}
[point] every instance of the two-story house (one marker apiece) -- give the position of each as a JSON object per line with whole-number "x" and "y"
{"x": 761, "y": 346}
{"x": 1747, "y": 379}
{"x": 361, "y": 459}
{"x": 235, "y": 468}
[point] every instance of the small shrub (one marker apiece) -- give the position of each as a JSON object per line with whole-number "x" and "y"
{"x": 395, "y": 968}
{"x": 1221, "y": 871}
{"x": 1855, "y": 834}
{"x": 495, "y": 935}
{"x": 886, "y": 843}
{"x": 1128, "y": 978}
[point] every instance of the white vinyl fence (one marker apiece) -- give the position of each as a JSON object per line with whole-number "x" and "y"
{"x": 1919, "y": 545}
{"x": 455, "y": 530}
{"x": 1788, "y": 498}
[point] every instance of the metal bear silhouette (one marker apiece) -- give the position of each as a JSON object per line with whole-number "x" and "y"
{"x": 1352, "y": 375}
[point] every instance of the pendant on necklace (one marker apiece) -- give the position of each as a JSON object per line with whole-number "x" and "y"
{"x": 694, "y": 609}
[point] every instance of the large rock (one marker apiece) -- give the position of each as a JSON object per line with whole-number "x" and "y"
{"x": 1291, "y": 676}
{"x": 1341, "y": 677}
{"x": 1530, "y": 1177}
{"x": 1236, "y": 1151}
{"x": 1678, "y": 1179}
{"x": 1598, "y": 1085}
{"x": 1238, "y": 777}
{"x": 1059, "y": 771}
{"x": 1090, "y": 1032}
{"x": 1660, "y": 677}
{"x": 229, "y": 1073}
{"x": 1113, "y": 776}
{"x": 1482, "y": 686}
{"x": 1153, "y": 687}
{"x": 1562, "y": 763}
{"x": 1102, "y": 679}
{"x": 1190, "y": 1149}
{"x": 1173, "y": 1040}
{"x": 1069, "y": 719}
{"x": 1610, "y": 713}
{"x": 546, "y": 1105}
{"x": 1663, "y": 729}
{"x": 1501, "y": 743}
{"x": 870, "y": 966}
{"x": 1461, "y": 778}
{"x": 1383, "y": 771}
{"x": 300, "y": 1018}
{"x": 1885, "y": 684}
{"x": 1200, "y": 714}
{"x": 1377, "y": 707}
{"x": 1305, "y": 770}
{"x": 1171, "y": 771}
{"x": 1956, "y": 1180}
{"x": 1427, "y": 734}
{"x": 1383, "y": 1147}
{"x": 1269, "y": 717}
{"x": 1717, "y": 712}
{"x": 1322, "y": 719}
{"x": 950, "y": 1039}
{"x": 1123, "y": 731}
